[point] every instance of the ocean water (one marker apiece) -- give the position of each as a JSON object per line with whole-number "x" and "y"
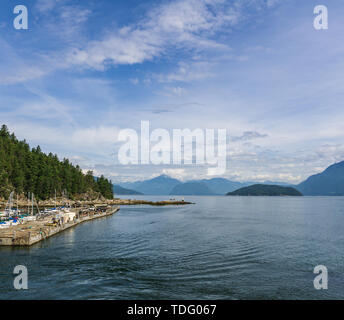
{"x": 218, "y": 248}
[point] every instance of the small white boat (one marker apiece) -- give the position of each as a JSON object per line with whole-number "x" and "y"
{"x": 29, "y": 218}
{"x": 7, "y": 224}
{"x": 4, "y": 225}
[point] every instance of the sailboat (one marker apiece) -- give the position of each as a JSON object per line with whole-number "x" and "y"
{"x": 54, "y": 210}
{"x": 9, "y": 216}
{"x": 12, "y": 217}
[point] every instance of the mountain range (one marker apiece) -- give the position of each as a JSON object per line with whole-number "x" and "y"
{"x": 123, "y": 191}
{"x": 165, "y": 185}
{"x": 191, "y": 189}
{"x": 161, "y": 185}
{"x": 327, "y": 183}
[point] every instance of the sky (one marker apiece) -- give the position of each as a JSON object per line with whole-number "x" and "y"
{"x": 84, "y": 70}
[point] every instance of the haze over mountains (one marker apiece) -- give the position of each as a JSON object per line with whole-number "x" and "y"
{"x": 328, "y": 183}
{"x": 165, "y": 185}
{"x": 191, "y": 189}
{"x": 123, "y": 191}
{"x": 161, "y": 185}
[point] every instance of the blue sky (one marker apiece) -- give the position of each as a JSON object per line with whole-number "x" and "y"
{"x": 86, "y": 69}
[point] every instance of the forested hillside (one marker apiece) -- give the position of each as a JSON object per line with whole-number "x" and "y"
{"x": 327, "y": 183}
{"x": 26, "y": 170}
{"x": 265, "y": 190}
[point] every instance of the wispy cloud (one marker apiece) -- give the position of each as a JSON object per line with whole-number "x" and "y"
{"x": 45, "y": 6}
{"x": 62, "y": 19}
{"x": 72, "y": 80}
{"x": 187, "y": 72}
{"x": 188, "y": 24}
{"x": 249, "y": 135}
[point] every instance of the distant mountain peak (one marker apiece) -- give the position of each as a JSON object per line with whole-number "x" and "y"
{"x": 118, "y": 190}
{"x": 160, "y": 185}
{"x": 164, "y": 185}
{"x": 330, "y": 182}
{"x": 335, "y": 167}
{"x": 191, "y": 188}
{"x": 163, "y": 177}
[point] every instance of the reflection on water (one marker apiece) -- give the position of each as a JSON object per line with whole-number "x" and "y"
{"x": 219, "y": 248}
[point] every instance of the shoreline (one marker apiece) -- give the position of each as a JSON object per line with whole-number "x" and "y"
{"x": 98, "y": 202}
{"x": 32, "y": 232}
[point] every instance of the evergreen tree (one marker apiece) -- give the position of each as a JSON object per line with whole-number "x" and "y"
{"x": 23, "y": 170}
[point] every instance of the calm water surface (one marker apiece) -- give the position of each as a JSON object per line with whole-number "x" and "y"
{"x": 219, "y": 248}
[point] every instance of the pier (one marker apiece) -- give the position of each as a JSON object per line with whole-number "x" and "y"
{"x": 47, "y": 225}
{"x": 32, "y": 232}
{"x": 51, "y": 203}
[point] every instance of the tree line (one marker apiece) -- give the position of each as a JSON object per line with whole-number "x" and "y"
{"x": 26, "y": 170}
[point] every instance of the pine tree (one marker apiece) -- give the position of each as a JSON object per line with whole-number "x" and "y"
{"x": 23, "y": 170}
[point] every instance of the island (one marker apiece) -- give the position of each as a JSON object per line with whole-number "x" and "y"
{"x": 265, "y": 190}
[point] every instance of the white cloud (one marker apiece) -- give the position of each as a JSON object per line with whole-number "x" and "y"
{"x": 187, "y": 72}
{"x": 190, "y": 25}
{"x": 95, "y": 136}
{"x": 187, "y": 24}
{"x": 271, "y": 3}
{"x": 46, "y": 5}
{"x": 134, "y": 81}
{"x": 179, "y": 174}
{"x": 97, "y": 140}
{"x": 249, "y": 135}
{"x": 14, "y": 69}
{"x": 63, "y": 20}
{"x": 77, "y": 158}
{"x": 173, "y": 91}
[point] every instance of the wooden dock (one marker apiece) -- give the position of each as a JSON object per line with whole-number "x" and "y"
{"x": 32, "y": 232}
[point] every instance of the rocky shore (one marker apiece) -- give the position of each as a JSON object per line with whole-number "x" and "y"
{"x": 22, "y": 203}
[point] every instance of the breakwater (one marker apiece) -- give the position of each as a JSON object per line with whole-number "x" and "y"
{"x": 98, "y": 202}
{"x": 31, "y": 232}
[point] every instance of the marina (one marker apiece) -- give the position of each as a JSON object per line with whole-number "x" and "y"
{"x": 25, "y": 227}
{"x": 26, "y": 230}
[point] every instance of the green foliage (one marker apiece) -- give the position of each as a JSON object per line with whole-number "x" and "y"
{"x": 265, "y": 190}
{"x": 24, "y": 170}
